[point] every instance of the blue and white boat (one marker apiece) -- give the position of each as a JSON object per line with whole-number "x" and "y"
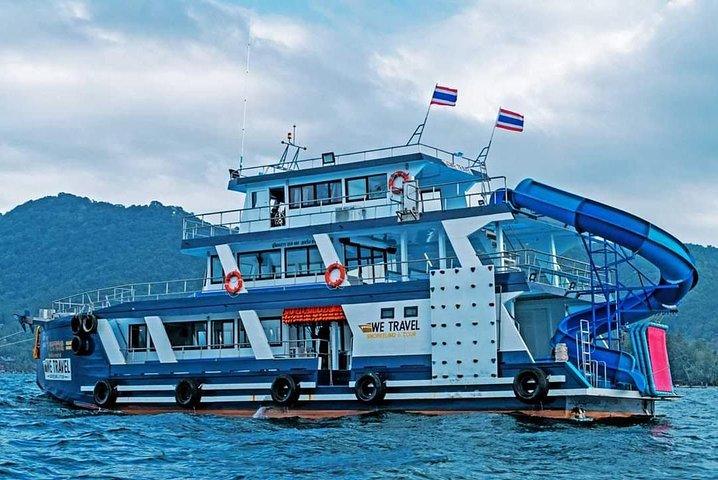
{"x": 402, "y": 278}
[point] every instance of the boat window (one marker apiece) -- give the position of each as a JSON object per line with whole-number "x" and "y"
{"x": 138, "y": 336}
{"x": 216, "y": 274}
{"x": 223, "y": 333}
{"x": 362, "y": 188}
{"x": 308, "y": 196}
{"x": 335, "y": 191}
{"x": 387, "y": 313}
{"x": 377, "y": 186}
{"x": 253, "y": 197}
{"x": 260, "y": 265}
{"x": 303, "y": 261}
{"x": 358, "y": 255}
{"x": 273, "y": 329}
{"x": 410, "y": 312}
{"x": 313, "y": 194}
{"x": 295, "y": 197}
{"x": 187, "y": 334}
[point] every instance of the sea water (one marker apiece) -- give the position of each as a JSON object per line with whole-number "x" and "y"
{"x": 40, "y": 438}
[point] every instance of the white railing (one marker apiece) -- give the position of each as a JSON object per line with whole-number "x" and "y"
{"x": 303, "y": 348}
{"x": 454, "y": 160}
{"x": 334, "y": 210}
{"x": 539, "y": 267}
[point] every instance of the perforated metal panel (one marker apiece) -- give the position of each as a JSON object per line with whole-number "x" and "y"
{"x": 463, "y": 324}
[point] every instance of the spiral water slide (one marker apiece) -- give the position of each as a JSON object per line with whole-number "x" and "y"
{"x": 678, "y": 274}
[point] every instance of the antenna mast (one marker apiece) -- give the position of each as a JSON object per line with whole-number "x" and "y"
{"x": 244, "y": 107}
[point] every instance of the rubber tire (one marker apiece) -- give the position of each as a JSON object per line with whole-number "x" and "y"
{"x": 76, "y": 324}
{"x": 187, "y": 393}
{"x": 370, "y": 389}
{"x": 81, "y": 345}
{"x": 285, "y": 391}
{"x": 104, "y": 394}
{"x": 522, "y": 389}
{"x": 89, "y": 323}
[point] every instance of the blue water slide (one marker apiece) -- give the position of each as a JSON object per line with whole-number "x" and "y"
{"x": 678, "y": 274}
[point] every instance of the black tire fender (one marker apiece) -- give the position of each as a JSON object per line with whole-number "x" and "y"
{"x": 285, "y": 390}
{"x": 370, "y": 388}
{"x": 89, "y": 323}
{"x": 104, "y": 394}
{"x": 531, "y": 385}
{"x": 188, "y": 393}
{"x": 81, "y": 345}
{"x": 76, "y": 324}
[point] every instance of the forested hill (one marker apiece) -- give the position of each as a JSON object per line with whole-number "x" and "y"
{"x": 57, "y": 246}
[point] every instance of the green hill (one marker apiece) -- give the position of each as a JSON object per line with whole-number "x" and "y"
{"x": 57, "y": 246}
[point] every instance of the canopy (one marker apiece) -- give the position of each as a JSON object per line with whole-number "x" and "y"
{"x": 333, "y": 313}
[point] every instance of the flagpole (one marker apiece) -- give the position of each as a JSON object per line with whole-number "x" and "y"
{"x": 420, "y": 129}
{"x": 485, "y": 151}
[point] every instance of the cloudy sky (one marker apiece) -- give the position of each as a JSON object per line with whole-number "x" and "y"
{"x": 135, "y": 101}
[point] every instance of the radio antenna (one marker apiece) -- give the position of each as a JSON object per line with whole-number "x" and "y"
{"x": 244, "y": 106}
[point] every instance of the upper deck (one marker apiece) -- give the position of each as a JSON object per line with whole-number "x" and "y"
{"x": 244, "y": 176}
{"x": 353, "y": 186}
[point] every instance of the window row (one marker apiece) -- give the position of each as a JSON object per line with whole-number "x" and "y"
{"x": 195, "y": 334}
{"x": 298, "y": 261}
{"x": 372, "y": 187}
{"x": 315, "y": 194}
{"x": 409, "y": 312}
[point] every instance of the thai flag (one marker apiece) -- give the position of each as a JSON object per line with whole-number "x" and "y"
{"x": 444, "y": 96}
{"x": 509, "y": 120}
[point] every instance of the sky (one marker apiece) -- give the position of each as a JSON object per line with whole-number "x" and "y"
{"x": 130, "y": 102}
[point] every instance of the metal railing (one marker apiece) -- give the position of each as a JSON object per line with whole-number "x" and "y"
{"x": 572, "y": 273}
{"x": 454, "y": 160}
{"x": 334, "y": 210}
{"x": 302, "y": 348}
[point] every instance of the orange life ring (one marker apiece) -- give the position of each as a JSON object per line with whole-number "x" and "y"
{"x": 233, "y": 289}
{"x": 392, "y": 181}
{"x": 340, "y": 279}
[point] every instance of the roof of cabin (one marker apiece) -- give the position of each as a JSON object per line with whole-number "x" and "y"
{"x": 452, "y": 168}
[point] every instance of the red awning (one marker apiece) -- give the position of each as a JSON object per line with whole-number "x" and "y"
{"x": 333, "y": 313}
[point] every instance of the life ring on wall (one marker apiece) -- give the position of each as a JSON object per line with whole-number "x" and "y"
{"x": 236, "y": 277}
{"x": 335, "y": 283}
{"x": 394, "y": 177}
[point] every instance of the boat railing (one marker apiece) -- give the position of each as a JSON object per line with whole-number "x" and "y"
{"x": 538, "y": 266}
{"x": 301, "y": 348}
{"x": 453, "y": 159}
{"x": 456, "y": 195}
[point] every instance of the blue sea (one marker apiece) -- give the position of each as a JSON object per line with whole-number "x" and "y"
{"x": 40, "y": 438}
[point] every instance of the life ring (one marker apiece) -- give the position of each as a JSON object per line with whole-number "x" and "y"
{"x": 335, "y": 283}
{"x": 394, "y": 177}
{"x": 370, "y": 388}
{"x": 188, "y": 393}
{"x": 104, "y": 394}
{"x": 285, "y": 390}
{"x": 531, "y": 385}
{"x": 236, "y": 276}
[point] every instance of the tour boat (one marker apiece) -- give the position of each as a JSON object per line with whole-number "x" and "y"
{"x": 394, "y": 279}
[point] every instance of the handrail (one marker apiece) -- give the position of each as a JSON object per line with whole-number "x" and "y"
{"x": 223, "y": 222}
{"x": 525, "y": 260}
{"x": 361, "y": 156}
